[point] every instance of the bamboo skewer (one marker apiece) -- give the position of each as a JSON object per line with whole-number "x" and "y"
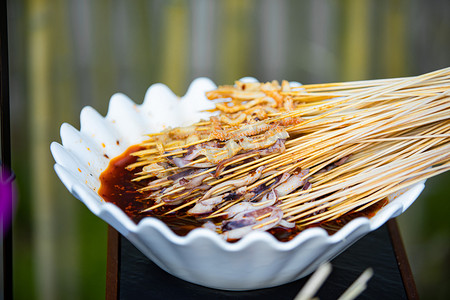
{"x": 385, "y": 173}
{"x": 395, "y": 132}
{"x": 360, "y": 177}
{"x": 310, "y": 120}
{"x": 390, "y": 189}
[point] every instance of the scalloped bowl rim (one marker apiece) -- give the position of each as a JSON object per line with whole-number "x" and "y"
{"x": 128, "y": 228}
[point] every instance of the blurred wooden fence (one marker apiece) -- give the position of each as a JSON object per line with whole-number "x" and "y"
{"x": 68, "y": 54}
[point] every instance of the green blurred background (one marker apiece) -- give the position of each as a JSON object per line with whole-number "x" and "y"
{"x": 65, "y": 55}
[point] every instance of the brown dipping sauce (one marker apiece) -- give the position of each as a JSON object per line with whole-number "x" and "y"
{"x": 116, "y": 187}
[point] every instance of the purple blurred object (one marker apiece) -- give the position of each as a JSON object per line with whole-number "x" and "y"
{"x": 7, "y": 198}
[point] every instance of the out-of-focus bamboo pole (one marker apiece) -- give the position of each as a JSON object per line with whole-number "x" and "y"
{"x": 39, "y": 57}
{"x": 202, "y": 44}
{"x": 63, "y": 100}
{"x": 103, "y": 63}
{"x": 234, "y": 40}
{"x": 356, "y": 40}
{"x": 175, "y": 36}
{"x": 394, "y": 39}
{"x": 274, "y": 38}
{"x": 52, "y": 96}
{"x": 140, "y": 51}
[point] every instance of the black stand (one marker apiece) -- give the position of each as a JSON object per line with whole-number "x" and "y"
{"x": 131, "y": 275}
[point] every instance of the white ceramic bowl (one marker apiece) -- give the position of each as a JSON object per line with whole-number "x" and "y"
{"x": 202, "y": 257}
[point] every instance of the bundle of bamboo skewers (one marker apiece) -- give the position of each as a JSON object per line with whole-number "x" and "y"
{"x": 286, "y": 155}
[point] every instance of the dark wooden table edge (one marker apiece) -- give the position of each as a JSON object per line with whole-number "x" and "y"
{"x": 113, "y": 265}
{"x": 402, "y": 260}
